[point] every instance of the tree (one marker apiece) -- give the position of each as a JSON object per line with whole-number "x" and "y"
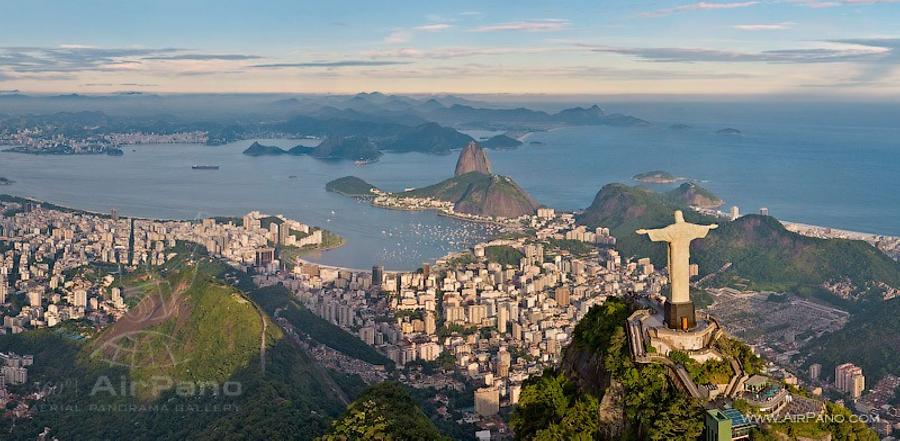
{"x": 543, "y": 402}
{"x": 384, "y": 411}
{"x": 548, "y": 410}
{"x": 846, "y": 428}
{"x": 681, "y": 419}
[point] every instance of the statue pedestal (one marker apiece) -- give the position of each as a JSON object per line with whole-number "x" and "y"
{"x": 680, "y": 315}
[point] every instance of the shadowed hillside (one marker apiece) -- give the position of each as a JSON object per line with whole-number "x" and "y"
{"x": 478, "y": 193}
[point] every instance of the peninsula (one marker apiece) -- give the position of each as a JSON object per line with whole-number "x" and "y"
{"x": 473, "y": 193}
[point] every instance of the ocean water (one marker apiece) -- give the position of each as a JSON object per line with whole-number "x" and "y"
{"x": 833, "y": 165}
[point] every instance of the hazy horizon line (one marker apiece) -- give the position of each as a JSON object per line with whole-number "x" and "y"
{"x": 833, "y": 96}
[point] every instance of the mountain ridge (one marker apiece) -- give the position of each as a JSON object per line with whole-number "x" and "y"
{"x": 758, "y": 247}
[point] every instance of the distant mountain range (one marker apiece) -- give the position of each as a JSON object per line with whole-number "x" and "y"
{"x": 522, "y": 118}
{"x": 390, "y": 122}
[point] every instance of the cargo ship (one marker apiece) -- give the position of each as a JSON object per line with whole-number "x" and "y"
{"x": 204, "y": 167}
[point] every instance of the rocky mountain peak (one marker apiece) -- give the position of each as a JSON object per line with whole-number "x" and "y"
{"x": 473, "y": 159}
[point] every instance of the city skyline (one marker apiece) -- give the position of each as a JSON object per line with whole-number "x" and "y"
{"x": 802, "y": 47}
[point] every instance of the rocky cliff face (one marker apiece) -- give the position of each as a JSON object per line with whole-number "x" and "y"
{"x": 497, "y": 196}
{"x": 472, "y": 158}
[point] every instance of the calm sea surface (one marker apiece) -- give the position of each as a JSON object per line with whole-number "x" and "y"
{"x": 814, "y": 170}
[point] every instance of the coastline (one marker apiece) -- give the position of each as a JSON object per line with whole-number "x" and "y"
{"x": 440, "y": 212}
{"x": 5, "y": 197}
{"x": 859, "y": 235}
{"x": 303, "y": 261}
{"x": 849, "y": 234}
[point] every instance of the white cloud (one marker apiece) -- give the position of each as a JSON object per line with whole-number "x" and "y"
{"x": 550, "y": 24}
{"x": 699, "y": 6}
{"x": 844, "y": 51}
{"x": 433, "y": 27}
{"x": 462, "y": 52}
{"x": 765, "y": 26}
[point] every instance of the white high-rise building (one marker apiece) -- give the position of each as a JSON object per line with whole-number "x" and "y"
{"x": 430, "y": 324}
{"x": 487, "y": 401}
{"x": 502, "y": 317}
{"x": 849, "y": 378}
{"x": 4, "y": 289}
{"x": 117, "y": 297}
{"x": 34, "y": 298}
{"x": 80, "y": 298}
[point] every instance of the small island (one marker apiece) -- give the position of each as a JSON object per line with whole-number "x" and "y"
{"x": 728, "y": 131}
{"x": 351, "y": 186}
{"x": 356, "y": 148}
{"x": 6, "y": 181}
{"x": 257, "y": 149}
{"x": 679, "y": 126}
{"x": 501, "y": 142}
{"x": 657, "y": 177}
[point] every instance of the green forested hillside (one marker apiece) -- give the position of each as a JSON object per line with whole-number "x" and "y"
{"x": 317, "y": 328}
{"x": 383, "y": 412}
{"x": 560, "y": 405}
{"x": 762, "y": 250}
{"x": 758, "y": 247}
{"x": 191, "y": 361}
{"x": 870, "y": 340}
{"x": 599, "y": 393}
{"x": 350, "y": 186}
{"x": 692, "y": 194}
{"x": 452, "y": 189}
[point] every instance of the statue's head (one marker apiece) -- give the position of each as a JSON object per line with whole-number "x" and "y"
{"x": 679, "y": 216}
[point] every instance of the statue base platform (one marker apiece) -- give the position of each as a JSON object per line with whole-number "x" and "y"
{"x": 680, "y": 315}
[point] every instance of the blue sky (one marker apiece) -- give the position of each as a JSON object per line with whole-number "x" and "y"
{"x": 810, "y": 47}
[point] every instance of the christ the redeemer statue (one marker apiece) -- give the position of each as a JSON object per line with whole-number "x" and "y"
{"x": 679, "y": 308}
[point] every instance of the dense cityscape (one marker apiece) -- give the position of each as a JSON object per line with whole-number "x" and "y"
{"x": 674, "y": 220}
{"x": 489, "y": 317}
